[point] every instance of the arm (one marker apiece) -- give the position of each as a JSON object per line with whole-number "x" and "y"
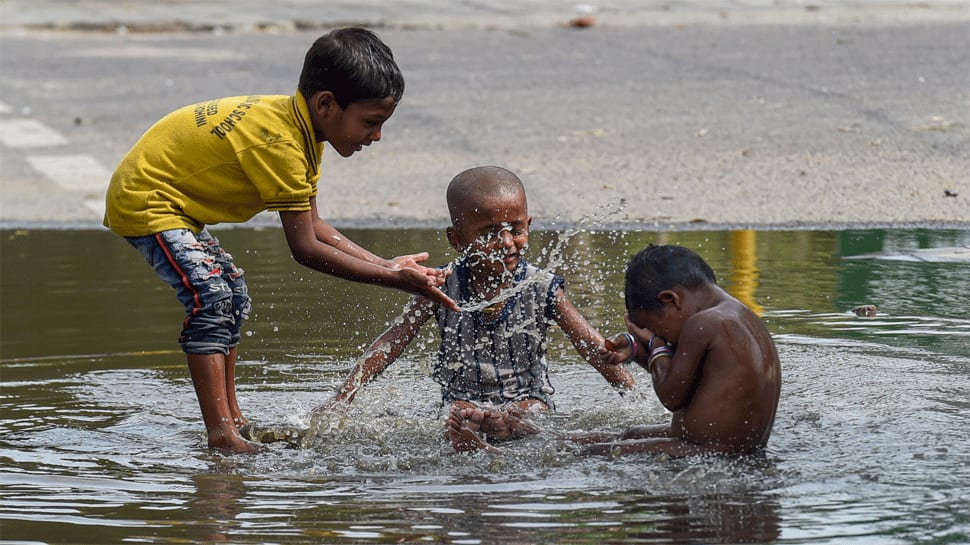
{"x": 590, "y": 344}
{"x": 329, "y": 235}
{"x": 316, "y": 244}
{"x": 674, "y": 378}
{"x": 383, "y": 351}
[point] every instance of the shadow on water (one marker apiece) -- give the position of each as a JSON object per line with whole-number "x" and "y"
{"x": 101, "y": 439}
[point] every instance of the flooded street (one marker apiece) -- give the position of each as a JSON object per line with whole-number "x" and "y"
{"x": 101, "y": 439}
{"x": 841, "y": 129}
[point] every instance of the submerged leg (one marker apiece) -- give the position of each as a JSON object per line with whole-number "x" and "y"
{"x": 209, "y": 378}
{"x": 636, "y": 432}
{"x": 590, "y": 438}
{"x": 670, "y": 446}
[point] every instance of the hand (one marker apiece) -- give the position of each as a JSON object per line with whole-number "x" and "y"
{"x": 420, "y": 280}
{"x": 411, "y": 261}
{"x": 617, "y": 349}
{"x": 643, "y": 336}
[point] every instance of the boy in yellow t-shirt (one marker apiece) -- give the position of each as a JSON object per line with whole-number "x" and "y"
{"x": 227, "y": 159}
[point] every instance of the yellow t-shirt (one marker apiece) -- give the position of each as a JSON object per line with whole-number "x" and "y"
{"x": 219, "y": 161}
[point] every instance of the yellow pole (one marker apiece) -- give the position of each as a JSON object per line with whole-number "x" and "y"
{"x": 744, "y": 268}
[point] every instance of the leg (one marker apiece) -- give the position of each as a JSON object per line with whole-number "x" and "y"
{"x": 646, "y": 432}
{"x": 670, "y": 446}
{"x": 656, "y": 439}
{"x": 194, "y": 265}
{"x": 607, "y": 438}
{"x": 591, "y": 437}
{"x": 209, "y": 378}
{"x": 235, "y": 281}
{"x": 237, "y": 417}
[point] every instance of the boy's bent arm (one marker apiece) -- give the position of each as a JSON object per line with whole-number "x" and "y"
{"x": 384, "y": 351}
{"x": 588, "y": 342}
{"x": 676, "y": 377}
{"x": 348, "y": 261}
{"x": 329, "y": 235}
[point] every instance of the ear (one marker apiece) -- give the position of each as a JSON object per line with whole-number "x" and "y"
{"x": 670, "y": 297}
{"x": 452, "y": 235}
{"x": 323, "y": 103}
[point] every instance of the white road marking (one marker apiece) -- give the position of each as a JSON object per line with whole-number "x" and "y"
{"x": 73, "y": 172}
{"x": 28, "y": 133}
{"x": 76, "y": 173}
{"x": 149, "y": 52}
{"x": 96, "y": 205}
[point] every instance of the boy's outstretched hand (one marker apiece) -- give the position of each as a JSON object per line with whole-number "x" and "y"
{"x": 421, "y": 280}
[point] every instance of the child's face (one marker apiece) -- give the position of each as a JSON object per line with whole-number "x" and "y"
{"x": 665, "y": 323}
{"x": 349, "y": 129}
{"x": 493, "y": 233}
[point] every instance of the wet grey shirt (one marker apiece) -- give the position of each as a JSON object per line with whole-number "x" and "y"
{"x": 501, "y": 358}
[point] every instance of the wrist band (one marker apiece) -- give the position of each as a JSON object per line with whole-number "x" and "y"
{"x": 632, "y": 341}
{"x": 660, "y": 352}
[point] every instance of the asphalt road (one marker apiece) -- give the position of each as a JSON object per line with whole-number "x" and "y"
{"x": 691, "y": 124}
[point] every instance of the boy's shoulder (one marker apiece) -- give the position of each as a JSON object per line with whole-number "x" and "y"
{"x": 731, "y": 315}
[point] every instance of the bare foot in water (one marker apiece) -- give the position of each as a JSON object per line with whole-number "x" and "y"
{"x": 233, "y": 443}
{"x": 463, "y": 427}
{"x": 510, "y": 423}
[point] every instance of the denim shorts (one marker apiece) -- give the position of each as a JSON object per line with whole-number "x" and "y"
{"x": 207, "y": 282}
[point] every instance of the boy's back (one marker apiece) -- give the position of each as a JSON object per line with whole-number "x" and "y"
{"x": 220, "y": 161}
{"x": 736, "y": 395}
{"x": 711, "y": 359}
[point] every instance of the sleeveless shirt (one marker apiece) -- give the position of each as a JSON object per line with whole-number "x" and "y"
{"x": 497, "y": 359}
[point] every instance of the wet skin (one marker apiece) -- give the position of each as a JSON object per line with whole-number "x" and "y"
{"x": 491, "y": 233}
{"x": 722, "y": 383}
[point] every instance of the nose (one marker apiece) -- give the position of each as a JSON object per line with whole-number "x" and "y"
{"x": 506, "y": 238}
{"x": 376, "y": 135}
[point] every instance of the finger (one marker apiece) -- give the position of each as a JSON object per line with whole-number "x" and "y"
{"x": 439, "y": 297}
{"x": 633, "y": 328}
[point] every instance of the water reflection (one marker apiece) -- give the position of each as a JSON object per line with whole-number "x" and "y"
{"x": 101, "y": 442}
{"x": 217, "y": 502}
{"x": 744, "y": 268}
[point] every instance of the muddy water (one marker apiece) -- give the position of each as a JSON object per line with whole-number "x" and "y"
{"x": 101, "y": 438}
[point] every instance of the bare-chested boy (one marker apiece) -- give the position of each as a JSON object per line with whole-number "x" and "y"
{"x": 491, "y": 362}
{"x": 712, "y": 361}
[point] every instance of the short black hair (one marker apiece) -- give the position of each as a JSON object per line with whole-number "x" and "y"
{"x": 658, "y": 268}
{"x": 353, "y": 64}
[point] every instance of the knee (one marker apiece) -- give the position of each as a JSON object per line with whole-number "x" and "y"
{"x": 211, "y": 328}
